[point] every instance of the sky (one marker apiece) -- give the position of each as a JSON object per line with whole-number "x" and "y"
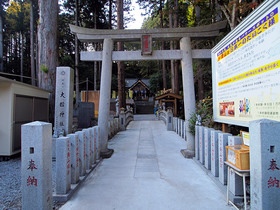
{"x": 137, "y": 15}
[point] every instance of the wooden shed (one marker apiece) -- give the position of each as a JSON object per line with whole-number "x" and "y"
{"x": 169, "y": 100}
{"x": 19, "y": 104}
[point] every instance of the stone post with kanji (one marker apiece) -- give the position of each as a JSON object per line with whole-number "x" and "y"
{"x": 75, "y": 162}
{"x": 264, "y": 164}
{"x": 223, "y": 142}
{"x": 63, "y": 165}
{"x": 63, "y": 101}
{"x": 36, "y": 165}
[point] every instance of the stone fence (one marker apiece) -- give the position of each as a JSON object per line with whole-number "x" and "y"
{"x": 113, "y": 127}
{"x": 210, "y": 152}
{"x": 125, "y": 118}
{"x": 77, "y": 155}
{"x": 162, "y": 115}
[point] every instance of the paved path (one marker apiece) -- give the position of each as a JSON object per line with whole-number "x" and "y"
{"x": 148, "y": 172}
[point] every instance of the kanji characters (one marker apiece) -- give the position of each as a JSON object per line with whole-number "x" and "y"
{"x": 31, "y": 165}
{"x": 273, "y": 182}
{"x": 31, "y": 181}
{"x": 273, "y": 165}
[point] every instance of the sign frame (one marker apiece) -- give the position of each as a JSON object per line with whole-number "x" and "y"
{"x": 241, "y": 29}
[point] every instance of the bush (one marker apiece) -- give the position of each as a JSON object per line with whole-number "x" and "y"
{"x": 204, "y": 108}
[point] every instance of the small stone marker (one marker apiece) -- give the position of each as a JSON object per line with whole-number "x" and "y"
{"x": 207, "y": 147}
{"x": 96, "y": 138}
{"x": 122, "y": 120}
{"x": 169, "y": 123}
{"x": 180, "y": 127}
{"x": 183, "y": 129}
{"x": 93, "y": 143}
{"x": 63, "y": 101}
{"x": 215, "y": 153}
{"x": 82, "y": 152}
{"x": 197, "y": 142}
{"x": 264, "y": 164}
{"x": 75, "y": 162}
{"x": 88, "y": 148}
{"x": 201, "y": 144}
{"x": 236, "y": 182}
{"x": 36, "y": 165}
{"x": 177, "y": 129}
{"x": 63, "y": 165}
{"x": 98, "y": 142}
{"x": 223, "y": 141}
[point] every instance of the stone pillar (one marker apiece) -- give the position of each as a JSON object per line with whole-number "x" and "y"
{"x": 177, "y": 125}
{"x": 201, "y": 144}
{"x": 223, "y": 142}
{"x": 93, "y": 143}
{"x": 215, "y": 153}
{"x": 264, "y": 164}
{"x": 122, "y": 119}
{"x": 36, "y": 165}
{"x": 169, "y": 120}
{"x": 63, "y": 165}
{"x": 63, "y": 101}
{"x": 197, "y": 142}
{"x": 183, "y": 128}
{"x": 82, "y": 152}
{"x": 75, "y": 162}
{"x": 188, "y": 89}
{"x": 88, "y": 148}
{"x": 236, "y": 182}
{"x": 105, "y": 91}
{"x": 207, "y": 147}
{"x": 97, "y": 139}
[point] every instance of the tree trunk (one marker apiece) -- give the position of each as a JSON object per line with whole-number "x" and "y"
{"x": 21, "y": 57}
{"x": 176, "y": 70}
{"x": 95, "y": 47}
{"x": 171, "y": 48}
{"x": 162, "y": 48}
{"x": 77, "y": 56}
{"x": 47, "y": 48}
{"x": 121, "y": 80}
{"x": 110, "y": 14}
{"x": 1, "y": 39}
{"x": 32, "y": 44}
{"x": 200, "y": 86}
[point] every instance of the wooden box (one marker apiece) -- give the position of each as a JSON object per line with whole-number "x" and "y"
{"x": 238, "y": 155}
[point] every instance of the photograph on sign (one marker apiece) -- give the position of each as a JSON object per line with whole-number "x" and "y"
{"x": 245, "y": 69}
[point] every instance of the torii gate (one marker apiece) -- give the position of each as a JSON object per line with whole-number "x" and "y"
{"x": 185, "y": 54}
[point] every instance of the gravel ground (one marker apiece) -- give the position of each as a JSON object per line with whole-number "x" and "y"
{"x": 10, "y": 184}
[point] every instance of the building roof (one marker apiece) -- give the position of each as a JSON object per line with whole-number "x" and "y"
{"x": 131, "y": 81}
{"x": 6, "y": 80}
{"x": 169, "y": 95}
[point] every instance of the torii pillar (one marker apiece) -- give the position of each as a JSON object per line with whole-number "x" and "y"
{"x": 104, "y": 101}
{"x": 188, "y": 89}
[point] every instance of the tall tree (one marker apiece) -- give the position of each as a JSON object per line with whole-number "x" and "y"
{"x": 77, "y": 54}
{"x": 121, "y": 80}
{"x": 47, "y": 47}
{"x": 32, "y": 42}
{"x": 1, "y": 36}
{"x": 176, "y": 68}
{"x": 162, "y": 46}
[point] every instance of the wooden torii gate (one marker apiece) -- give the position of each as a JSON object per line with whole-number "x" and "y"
{"x": 185, "y": 54}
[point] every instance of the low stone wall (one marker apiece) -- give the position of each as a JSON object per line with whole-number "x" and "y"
{"x": 125, "y": 118}
{"x": 76, "y": 156}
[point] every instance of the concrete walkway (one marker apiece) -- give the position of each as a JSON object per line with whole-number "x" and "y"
{"x": 147, "y": 171}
